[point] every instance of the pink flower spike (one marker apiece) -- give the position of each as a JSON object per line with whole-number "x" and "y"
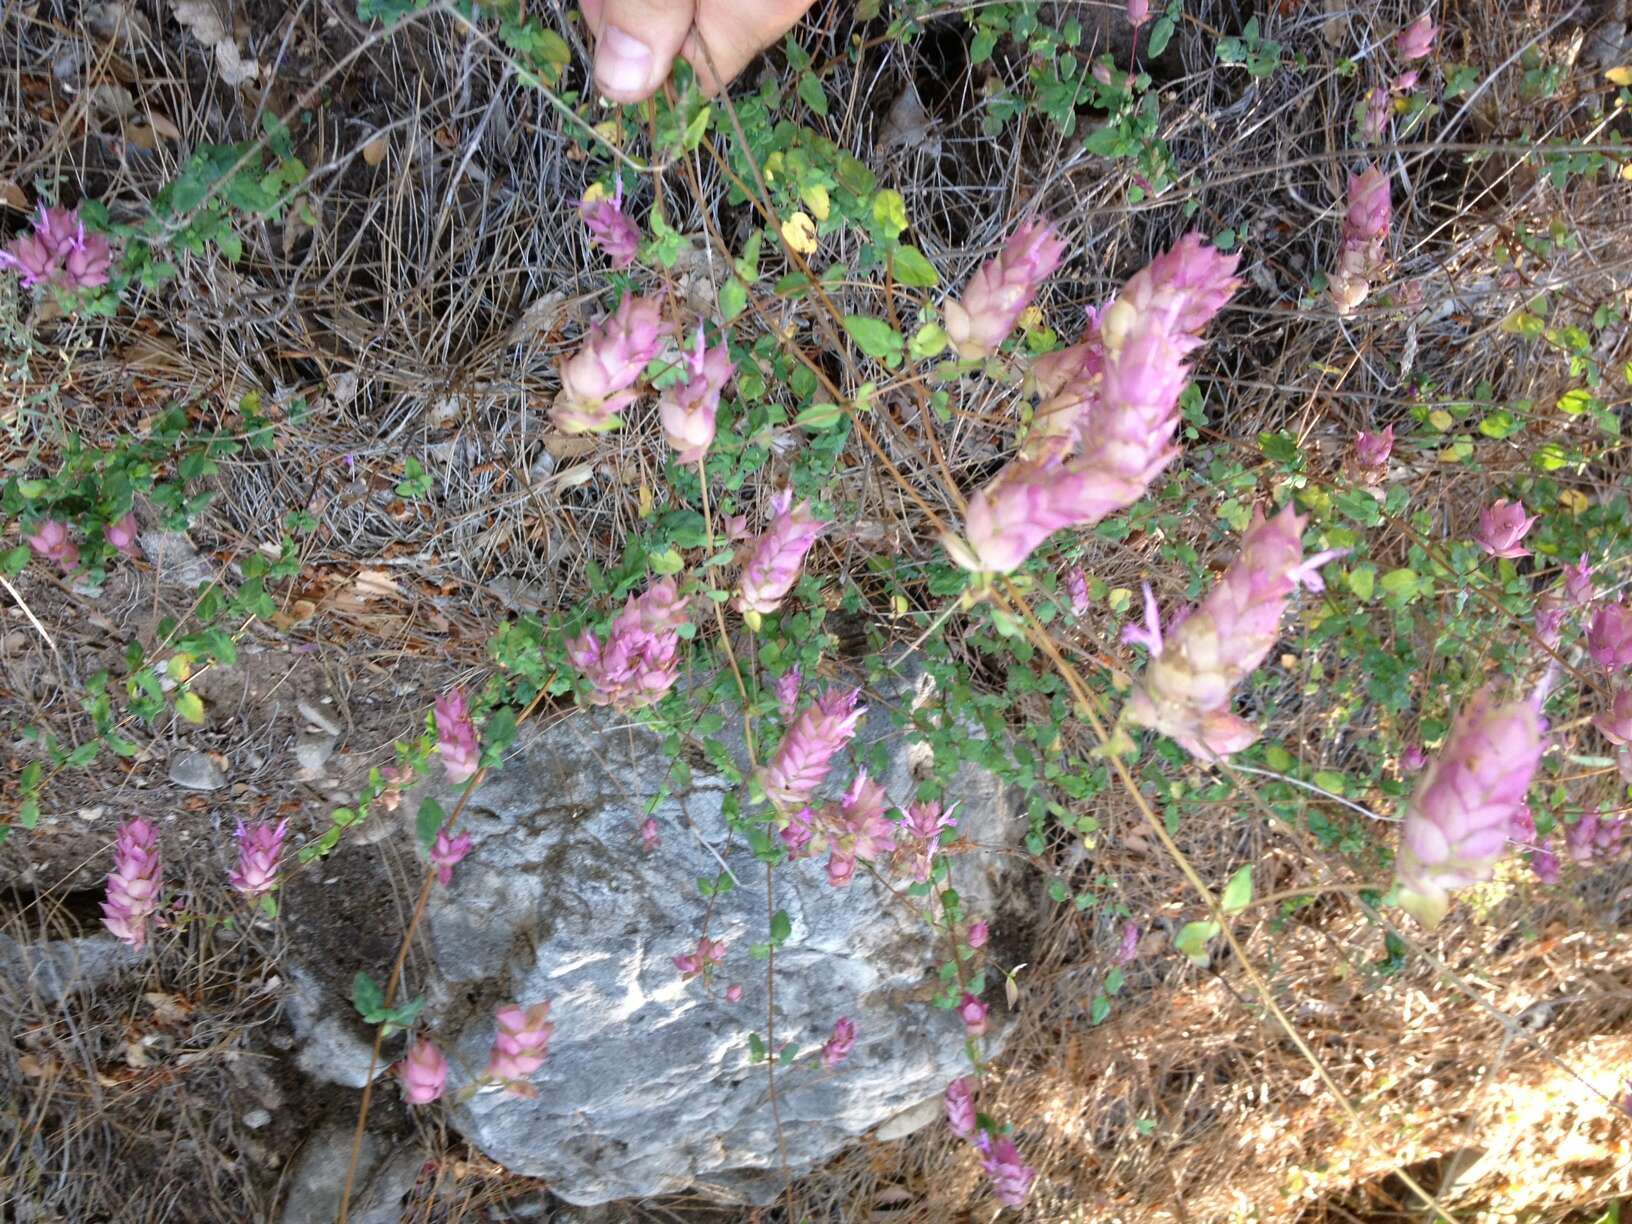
{"x": 1417, "y": 39}
{"x": 1186, "y": 687}
{"x": 1544, "y": 865}
{"x": 612, "y": 231}
{"x": 1609, "y": 639}
{"x": 59, "y": 253}
{"x": 1011, "y": 1177}
{"x": 51, "y": 542}
{"x": 520, "y": 1045}
{"x": 709, "y": 956}
{"x": 424, "y": 1073}
{"x": 688, "y": 409}
{"x": 1001, "y": 289}
{"x": 778, "y": 556}
{"x": 733, "y": 993}
{"x": 1150, "y": 635}
{"x": 1501, "y": 526}
{"x": 1379, "y": 106}
{"x": 804, "y": 758}
{"x": 960, "y": 1108}
{"x": 1457, "y": 823}
{"x": 446, "y": 854}
{"x": 973, "y": 1014}
{"x": 1413, "y": 759}
{"x": 641, "y": 658}
{"x": 122, "y": 534}
{"x": 456, "y": 736}
{"x": 1371, "y": 450}
{"x": 979, "y": 933}
{"x": 1127, "y": 949}
{"x": 787, "y": 692}
{"x": 837, "y": 1047}
{"x": 1550, "y": 616}
{"x": 133, "y": 884}
{"x": 1138, "y": 12}
{"x": 1594, "y": 837}
{"x": 841, "y": 869}
{"x": 1578, "y": 581}
{"x": 258, "y": 852}
{"x": 1405, "y": 82}
{"x": 596, "y": 382}
{"x": 799, "y": 833}
{"x": 1361, "y": 253}
{"x": 1076, "y": 586}
{"x": 649, "y": 838}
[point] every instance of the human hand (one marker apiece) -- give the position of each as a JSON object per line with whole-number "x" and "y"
{"x": 636, "y": 40}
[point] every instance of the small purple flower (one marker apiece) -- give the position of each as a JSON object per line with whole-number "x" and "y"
{"x": 649, "y": 838}
{"x": 979, "y": 933}
{"x": 1416, "y": 41}
{"x": 841, "y": 869}
{"x": 1413, "y": 758}
{"x": 799, "y": 832}
{"x": 1594, "y": 837}
{"x": 456, "y": 736}
{"x": 59, "y": 253}
{"x": 710, "y": 954}
{"x": 1501, "y": 526}
{"x": 1011, "y": 1177}
{"x": 446, "y": 854}
{"x": 51, "y": 542}
{"x": 787, "y": 692}
{"x": 837, "y": 1047}
{"x": 1371, "y": 450}
{"x": 1550, "y": 616}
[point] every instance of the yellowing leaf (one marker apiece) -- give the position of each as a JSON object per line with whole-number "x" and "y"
{"x": 190, "y": 706}
{"x": 646, "y": 505}
{"x": 816, "y": 199}
{"x": 1031, "y": 318}
{"x": 375, "y": 150}
{"x": 595, "y": 191}
{"x": 1440, "y": 419}
{"x": 1574, "y": 500}
{"x": 1619, "y": 76}
{"x": 799, "y": 232}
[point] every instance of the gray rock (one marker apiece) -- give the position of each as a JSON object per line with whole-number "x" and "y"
{"x": 53, "y": 969}
{"x": 331, "y": 1050}
{"x": 910, "y": 1121}
{"x": 313, "y": 750}
{"x": 648, "y": 1088}
{"x": 384, "y": 1177}
{"x": 196, "y": 771}
{"x": 176, "y": 560}
{"x": 318, "y": 715}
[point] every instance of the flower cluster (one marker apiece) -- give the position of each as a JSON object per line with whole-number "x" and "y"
{"x": 612, "y": 231}
{"x": 778, "y": 555}
{"x": 1609, "y": 639}
{"x": 1001, "y": 289}
{"x": 424, "y": 1073}
{"x": 1360, "y": 255}
{"x": 1501, "y": 526}
{"x": 709, "y": 956}
{"x": 1457, "y": 824}
{"x": 1185, "y": 690}
{"x": 258, "y": 852}
{"x": 640, "y": 660}
{"x": 1595, "y": 837}
{"x": 51, "y": 542}
{"x": 447, "y": 853}
{"x": 1371, "y": 454}
{"x": 687, "y": 409}
{"x": 804, "y": 758}
{"x": 59, "y": 253}
{"x": 1010, "y": 1176}
{"x": 1106, "y": 428}
{"x": 1416, "y": 41}
{"x": 133, "y": 884}
{"x": 597, "y": 381}
{"x": 918, "y": 838}
{"x": 520, "y": 1046}
{"x": 456, "y": 740}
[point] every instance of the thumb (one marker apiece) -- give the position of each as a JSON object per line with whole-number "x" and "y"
{"x": 635, "y": 43}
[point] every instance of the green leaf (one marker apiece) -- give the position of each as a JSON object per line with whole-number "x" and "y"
{"x": 819, "y": 417}
{"x": 190, "y": 706}
{"x": 1238, "y": 892}
{"x": 875, "y": 337}
{"x": 890, "y": 212}
{"x": 781, "y": 927}
{"x": 28, "y": 815}
{"x": 812, "y": 94}
{"x": 1160, "y": 34}
{"x": 429, "y": 822}
{"x": 1099, "y": 1010}
{"x": 1192, "y": 941}
{"x": 367, "y": 997}
{"x": 912, "y": 268}
{"x": 1363, "y": 580}
{"x": 756, "y": 1047}
{"x": 928, "y": 341}
{"x": 667, "y": 562}
{"x": 733, "y": 299}
{"x": 1058, "y": 892}
{"x": 1400, "y": 583}
{"x": 1336, "y": 783}
{"x": 697, "y": 126}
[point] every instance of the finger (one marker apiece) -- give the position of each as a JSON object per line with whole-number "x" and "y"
{"x": 635, "y": 43}
{"x": 733, "y": 32}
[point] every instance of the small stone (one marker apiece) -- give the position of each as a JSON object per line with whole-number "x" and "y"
{"x": 196, "y": 771}
{"x": 317, "y": 716}
{"x": 257, "y": 1118}
{"x": 313, "y": 751}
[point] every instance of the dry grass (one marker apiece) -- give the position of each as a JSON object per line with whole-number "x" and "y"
{"x": 422, "y": 315}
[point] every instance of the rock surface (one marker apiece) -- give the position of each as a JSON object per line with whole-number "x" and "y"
{"x": 648, "y": 1086}
{"x": 384, "y": 1178}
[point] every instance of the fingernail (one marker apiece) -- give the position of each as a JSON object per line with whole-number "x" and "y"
{"x": 622, "y": 62}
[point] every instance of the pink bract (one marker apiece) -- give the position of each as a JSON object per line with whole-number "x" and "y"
{"x": 447, "y": 853}
{"x": 122, "y": 534}
{"x": 1001, "y": 289}
{"x": 688, "y": 409}
{"x": 1011, "y": 1177}
{"x": 596, "y": 381}
{"x": 973, "y": 1014}
{"x": 1365, "y": 232}
{"x": 805, "y": 756}
{"x": 520, "y": 1045}
{"x": 424, "y": 1073}
{"x": 52, "y": 542}
{"x": 456, "y": 736}
{"x": 837, "y": 1047}
{"x": 960, "y": 1108}
{"x": 641, "y": 658}
{"x": 612, "y": 231}
{"x": 133, "y": 885}
{"x": 1609, "y": 639}
{"x": 778, "y": 556}
{"x": 259, "y": 849}
{"x": 59, "y": 253}
{"x": 1416, "y": 40}
{"x": 1501, "y": 526}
